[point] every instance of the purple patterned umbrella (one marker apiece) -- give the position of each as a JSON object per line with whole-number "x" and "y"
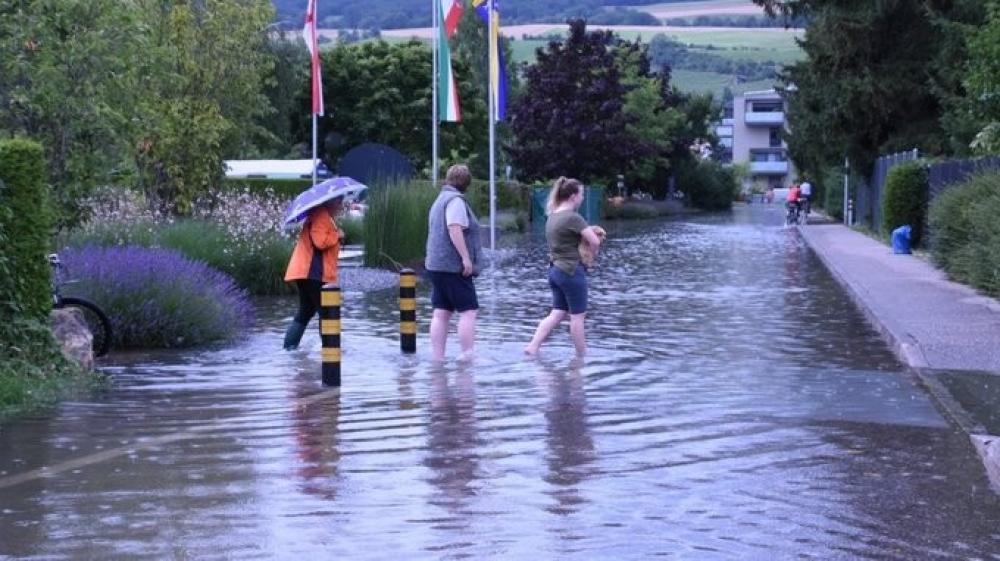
{"x": 319, "y": 194}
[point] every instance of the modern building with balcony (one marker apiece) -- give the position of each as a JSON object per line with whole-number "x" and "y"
{"x": 758, "y": 120}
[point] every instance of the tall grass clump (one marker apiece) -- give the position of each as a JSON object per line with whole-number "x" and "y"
{"x": 159, "y": 298}
{"x": 354, "y": 229}
{"x": 905, "y": 200}
{"x": 965, "y": 239}
{"x": 396, "y": 223}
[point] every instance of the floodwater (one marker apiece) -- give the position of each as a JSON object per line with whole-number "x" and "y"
{"x": 734, "y": 405}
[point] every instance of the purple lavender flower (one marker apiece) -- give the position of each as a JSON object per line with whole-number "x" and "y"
{"x": 158, "y": 297}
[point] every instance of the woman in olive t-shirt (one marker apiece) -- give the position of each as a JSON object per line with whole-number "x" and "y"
{"x": 567, "y": 278}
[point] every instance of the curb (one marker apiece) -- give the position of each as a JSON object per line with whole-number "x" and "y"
{"x": 912, "y": 355}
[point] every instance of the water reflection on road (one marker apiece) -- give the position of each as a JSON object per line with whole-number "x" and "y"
{"x": 735, "y": 406}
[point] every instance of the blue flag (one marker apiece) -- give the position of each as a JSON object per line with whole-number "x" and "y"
{"x": 498, "y": 74}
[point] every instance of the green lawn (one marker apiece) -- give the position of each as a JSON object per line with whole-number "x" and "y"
{"x": 524, "y": 50}
{"x": 779, "y": 44}
{"x": 737, "y": 44}
{"x": 711, "y": 82}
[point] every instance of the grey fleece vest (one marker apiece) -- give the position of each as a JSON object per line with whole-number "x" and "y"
{"x": 441, "y": 253}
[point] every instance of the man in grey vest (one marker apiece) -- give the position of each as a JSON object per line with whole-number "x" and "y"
{"x": 453, "y": 259}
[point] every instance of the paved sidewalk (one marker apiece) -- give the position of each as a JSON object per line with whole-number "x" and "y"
{"x": 930, "y": 321}
{"x": 947, "y": 332}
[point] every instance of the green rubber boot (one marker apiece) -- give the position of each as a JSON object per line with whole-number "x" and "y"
{"x": 293, "y": 335}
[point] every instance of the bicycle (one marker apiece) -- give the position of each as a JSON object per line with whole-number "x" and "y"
{"x": 793, "y": 214}
{"x": 97, "y": 320}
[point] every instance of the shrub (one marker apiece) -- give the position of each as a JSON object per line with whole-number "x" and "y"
{"x": 396, "y": 223}
{"x": 708, "y": 185}
{"x": 833, "y": 194}
{"x": 966, "y": 234}
{"x": 510, "y": 196}
{"x": 239, "y": 233}
{"x": 905, "y": 200}
{"x": 284, "y": 188}
{"x": 32, "y": 370}
{"x": 159, "y": 297}
{"x": 631, "y": 210}
{"x": 27, "y": 227}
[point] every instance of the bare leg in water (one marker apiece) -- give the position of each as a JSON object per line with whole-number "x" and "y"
{"x": 439, "y": 332}
{"x": 467, "y": 333}
{"x": 545, "y": 327}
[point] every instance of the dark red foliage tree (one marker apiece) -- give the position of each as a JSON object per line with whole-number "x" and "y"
{"x": 569, "y": 119}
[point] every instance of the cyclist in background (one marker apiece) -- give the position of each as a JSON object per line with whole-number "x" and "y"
{"x": 792, "y": 204}
{"x": 805, "y": 197}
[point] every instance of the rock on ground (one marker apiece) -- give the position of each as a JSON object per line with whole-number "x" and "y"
{"x": 73, "y": 336}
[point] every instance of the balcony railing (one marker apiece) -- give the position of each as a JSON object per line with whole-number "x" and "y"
{"x": 769, "y": 168}
{"x": 766, "y": 118}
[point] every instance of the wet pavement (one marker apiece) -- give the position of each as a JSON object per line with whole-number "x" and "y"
{"x": 735, "y": 405}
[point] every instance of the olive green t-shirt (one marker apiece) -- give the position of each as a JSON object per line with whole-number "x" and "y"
{"x": 563, "y": 231}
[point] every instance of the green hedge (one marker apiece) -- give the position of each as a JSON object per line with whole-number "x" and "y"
{"x": 905, "y": 200}
{"x": 708, "y": 185}
{"x": 31, "y": 367}
{"x": 965, "y": 231}
{"x": 26, "y": 197}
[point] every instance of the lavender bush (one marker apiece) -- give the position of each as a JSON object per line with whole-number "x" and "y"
{"x": 158, "y": 297}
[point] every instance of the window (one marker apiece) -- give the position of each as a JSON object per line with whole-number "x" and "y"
{"x": 775, "y": 140}
{"x": 766, "y": 107}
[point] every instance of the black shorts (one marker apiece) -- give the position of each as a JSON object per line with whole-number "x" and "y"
{"x": 452, "y": 292}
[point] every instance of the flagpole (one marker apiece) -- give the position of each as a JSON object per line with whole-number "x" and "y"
{"x": 493, "y": 89}
{"x": 314, "y": 166}
{"x": 436, "y": 30}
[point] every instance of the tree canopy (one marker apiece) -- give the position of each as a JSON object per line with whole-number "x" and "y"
{"x": 381, "y": 92}
{"x": 158, "y": 91}
{"x": 570, "y": 119}
{"x": 878, "y": 77}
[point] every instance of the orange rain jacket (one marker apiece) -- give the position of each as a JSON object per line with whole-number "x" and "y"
{"x": 319, "y": 233}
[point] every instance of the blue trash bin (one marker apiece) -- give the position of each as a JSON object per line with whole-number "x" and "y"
{"x": 901, "y": 240}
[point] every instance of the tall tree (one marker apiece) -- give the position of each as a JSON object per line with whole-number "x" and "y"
{"x": 652, "y": 120}
{"x": 876, "y": 78}
{"x": 570, "y": 119}
{"x": 381, "y": 92}
{"x": 983, "y": 80}
{"x": 204, "y": 67}
{"x": 66, "y": 80}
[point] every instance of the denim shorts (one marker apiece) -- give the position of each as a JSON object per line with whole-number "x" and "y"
{"x": 569, "y": 292}
{"x": 452, "y": 292}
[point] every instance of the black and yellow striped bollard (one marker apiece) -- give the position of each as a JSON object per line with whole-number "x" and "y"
{"x": 408, "y": 311}
{"x": 329, "y": 330}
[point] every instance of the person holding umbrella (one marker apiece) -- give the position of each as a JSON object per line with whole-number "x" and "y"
{"x": 314, "y": 259}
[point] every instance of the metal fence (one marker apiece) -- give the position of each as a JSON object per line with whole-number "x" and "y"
{"x": 943, "y": 175}
{"x": 868, "y": 198}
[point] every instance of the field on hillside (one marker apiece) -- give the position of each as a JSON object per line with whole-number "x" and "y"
{"x": 706, "y": 8}
{"x": 756, "y": 45}
{"x": 692, "y": 81}
{"x": 736, "y": 44}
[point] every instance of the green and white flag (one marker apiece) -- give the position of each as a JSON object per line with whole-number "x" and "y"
{"x": 449, "y": 13}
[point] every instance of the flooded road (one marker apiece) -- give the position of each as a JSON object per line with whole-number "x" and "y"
{"x": 735, "y": 405}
